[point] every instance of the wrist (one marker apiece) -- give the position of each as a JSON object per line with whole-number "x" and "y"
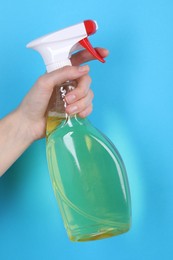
{"x": 23, "y": 128}
{"x": 32, "y": 126}
{"x": 15, "y": 138}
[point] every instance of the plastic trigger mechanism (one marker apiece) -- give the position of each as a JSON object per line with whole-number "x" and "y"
{"x": 91, "y": 28}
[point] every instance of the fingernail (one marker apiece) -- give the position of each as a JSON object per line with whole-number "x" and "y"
{"x": 70, "y": 98}
{"x": 83, "y": 68}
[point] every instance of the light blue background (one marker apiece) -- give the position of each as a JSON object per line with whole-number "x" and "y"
{"x": 133, "y": 105}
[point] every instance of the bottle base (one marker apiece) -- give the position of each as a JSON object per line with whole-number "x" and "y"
{"x": 102, "y": 234}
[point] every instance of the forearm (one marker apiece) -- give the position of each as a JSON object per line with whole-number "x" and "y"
{"x": 15, "y": 137}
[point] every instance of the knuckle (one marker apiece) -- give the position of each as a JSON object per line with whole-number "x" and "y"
{"x": 79, "y": 92}
{"x": 84, "y": 87}
{"x": 83, "y": 92}
{"x": 86, "y": 104}
{"x": 92, "y": 94}
{"x": 88, "y": 78}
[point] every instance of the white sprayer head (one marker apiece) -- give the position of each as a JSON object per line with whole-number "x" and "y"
{"x": 56, "y": 48}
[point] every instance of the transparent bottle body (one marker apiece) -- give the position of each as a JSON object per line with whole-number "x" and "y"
{"x": 89, "y": 180}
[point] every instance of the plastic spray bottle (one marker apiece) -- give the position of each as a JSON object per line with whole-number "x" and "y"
{"x": 88, "y": 175}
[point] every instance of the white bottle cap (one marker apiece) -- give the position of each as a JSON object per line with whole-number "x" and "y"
{"x": 56, "y": 48}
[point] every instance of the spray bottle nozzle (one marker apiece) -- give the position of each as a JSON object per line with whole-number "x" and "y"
{"x": 56, "y": 48}
{"x": 90, "y": 26}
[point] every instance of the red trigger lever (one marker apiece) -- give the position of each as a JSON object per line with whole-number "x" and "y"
{"x": 91, "y": 28}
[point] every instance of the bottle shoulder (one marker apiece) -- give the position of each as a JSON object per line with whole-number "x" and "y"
{"x": 73, "y": 124}
{"x": 81, "y": 129}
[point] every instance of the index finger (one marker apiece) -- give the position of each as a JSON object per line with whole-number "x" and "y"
{"x": 84, "y": 56}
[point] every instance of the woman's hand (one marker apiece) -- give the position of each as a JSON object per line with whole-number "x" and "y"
{"x": 28, "y": 122}
{"x": 79, "y": 101}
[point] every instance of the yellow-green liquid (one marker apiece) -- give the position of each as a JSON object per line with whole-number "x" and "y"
{"x": 89, "y": 181}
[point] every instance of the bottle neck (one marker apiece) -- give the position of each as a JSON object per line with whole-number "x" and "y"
{"x": 57, "y": 105}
